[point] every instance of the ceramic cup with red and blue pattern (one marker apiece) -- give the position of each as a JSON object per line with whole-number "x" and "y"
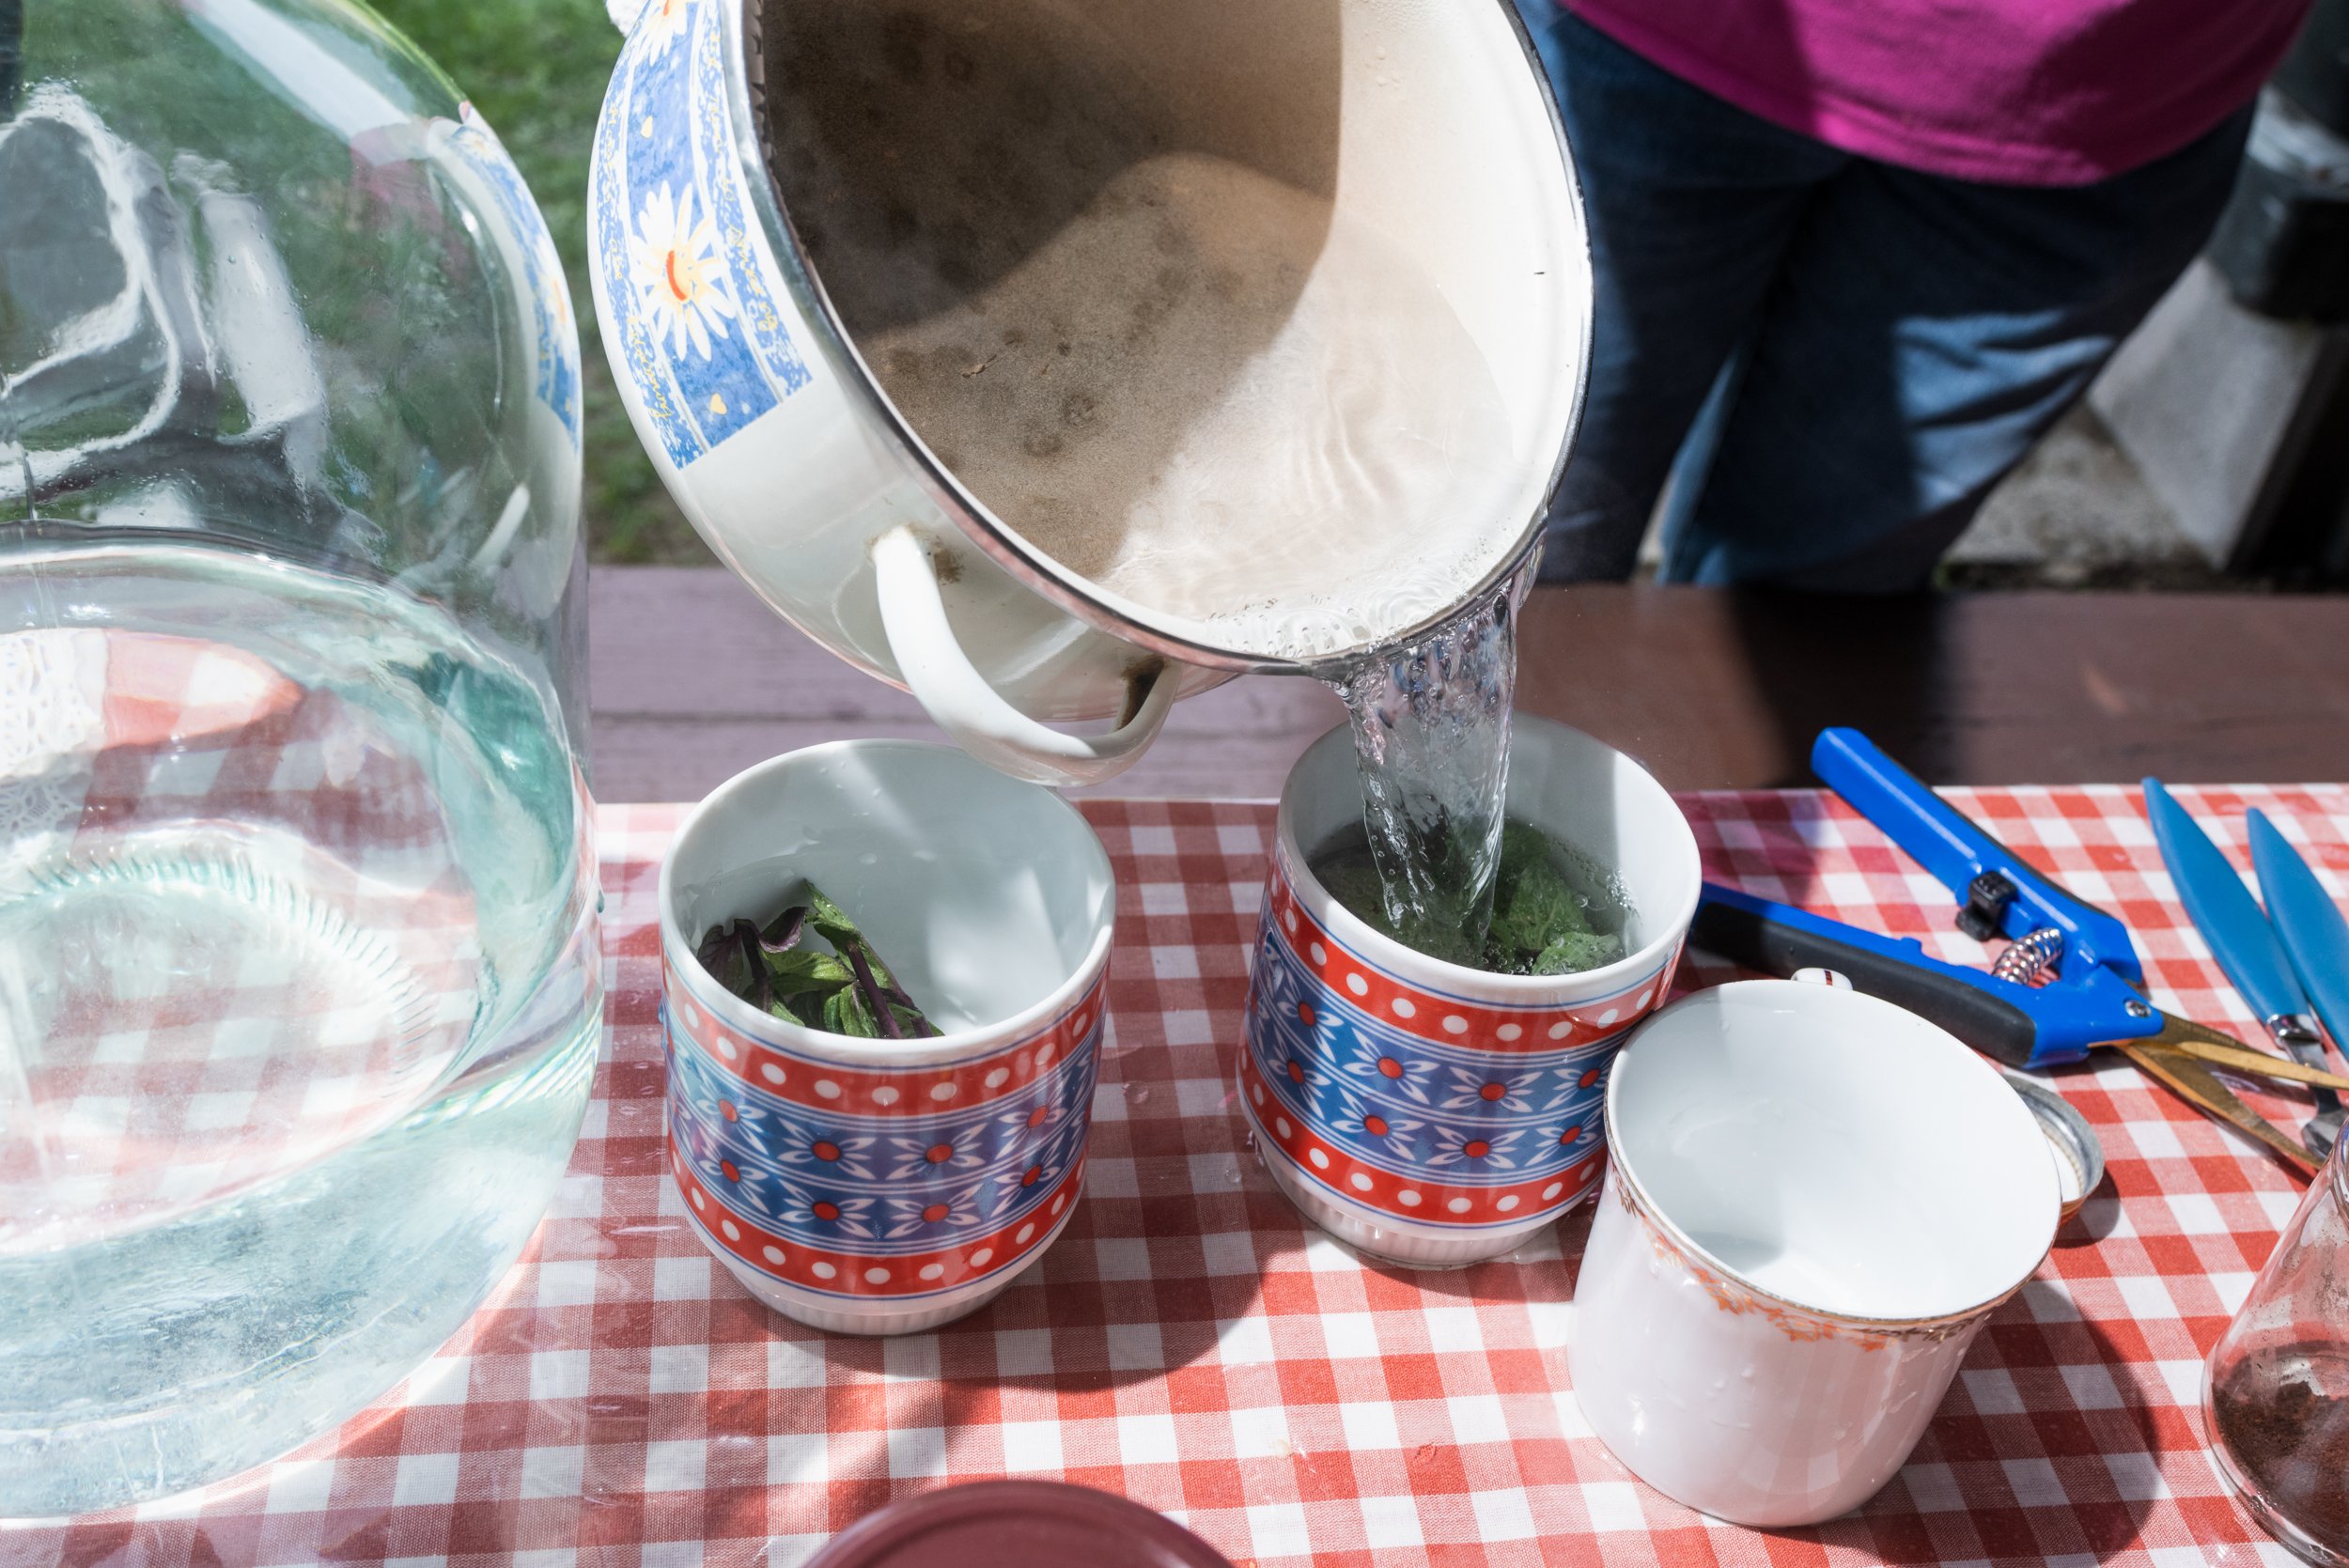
{"x": 1429, "y": 1113}
{"x": 886, "y": 1187}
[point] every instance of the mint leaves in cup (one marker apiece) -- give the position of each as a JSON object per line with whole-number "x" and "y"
{"x": 844, "y": 990}
{"x": 1552, "y": 910}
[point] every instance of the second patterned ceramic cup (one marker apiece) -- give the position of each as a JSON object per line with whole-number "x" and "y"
{"x": 1429, "y": 1113}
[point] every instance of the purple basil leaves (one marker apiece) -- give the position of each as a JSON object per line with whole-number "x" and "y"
{"x": 782, "y": 933}
{"x": 847, "y": 991}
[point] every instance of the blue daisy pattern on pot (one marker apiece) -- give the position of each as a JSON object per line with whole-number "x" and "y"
{"x": 706, "y": 346}
{"x": 681, "y": 283}
{"x": 662, "y": 23}
{"x": 768, "y": 340}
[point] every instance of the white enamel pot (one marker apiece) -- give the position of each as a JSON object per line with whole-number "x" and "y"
{"x": 778, "y": 442}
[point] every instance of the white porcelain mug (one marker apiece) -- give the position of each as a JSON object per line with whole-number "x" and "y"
{"x": 1430, "y": 125}
{"x": 1814, "y": 1201}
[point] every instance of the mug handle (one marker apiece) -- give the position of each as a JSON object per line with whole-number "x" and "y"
{"x": 973, "y": 713}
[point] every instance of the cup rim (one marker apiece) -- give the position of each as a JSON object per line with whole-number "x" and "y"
{"x": 1488, "y": 985}
{"x": 1618, "y": 1165}
{"x": 954, "y": 1044}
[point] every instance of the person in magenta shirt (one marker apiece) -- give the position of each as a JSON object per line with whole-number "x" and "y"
{"x": 1855, "y": 257}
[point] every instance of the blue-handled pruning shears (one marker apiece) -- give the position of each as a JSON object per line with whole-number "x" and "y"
{"x": 2068, "y": 981}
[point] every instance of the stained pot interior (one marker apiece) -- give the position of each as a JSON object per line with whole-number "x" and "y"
{"x": 926, "y": 151}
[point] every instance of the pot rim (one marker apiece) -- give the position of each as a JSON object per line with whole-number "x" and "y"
{"x": 1026, "y": 565}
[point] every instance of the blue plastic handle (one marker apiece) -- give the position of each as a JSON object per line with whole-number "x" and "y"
{"x": 2223, "y": 909}
{"x": 2020, "y": 1025}
{"x": 1943, "y": 840}
{"x": 2304, "y": 914}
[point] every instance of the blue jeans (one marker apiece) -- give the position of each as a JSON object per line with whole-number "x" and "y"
{"x": 1833, "y": 359}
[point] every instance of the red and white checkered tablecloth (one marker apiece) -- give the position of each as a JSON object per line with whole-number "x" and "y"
{"x": 1191, "y": 1344}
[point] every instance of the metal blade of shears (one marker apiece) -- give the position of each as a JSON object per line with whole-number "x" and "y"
{"x": 2193, "y": 1082}
{"x": 2205, "y": 1044}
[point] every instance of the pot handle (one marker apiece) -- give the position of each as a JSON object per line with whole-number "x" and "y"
{"x": 974, "y": 714}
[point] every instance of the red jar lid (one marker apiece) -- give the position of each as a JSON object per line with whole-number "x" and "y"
{"x": 1016, "y": 1524}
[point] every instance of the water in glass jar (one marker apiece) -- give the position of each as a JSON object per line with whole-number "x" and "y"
{"x": 299, "y": 992}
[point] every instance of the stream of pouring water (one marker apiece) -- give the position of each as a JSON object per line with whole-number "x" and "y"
{"x": 1431, "y": 734}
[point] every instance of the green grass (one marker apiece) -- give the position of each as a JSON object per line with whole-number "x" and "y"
{"x": 536, "y": 70}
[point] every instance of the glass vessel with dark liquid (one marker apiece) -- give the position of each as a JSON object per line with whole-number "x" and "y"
{"x": 2275, "y": 1393}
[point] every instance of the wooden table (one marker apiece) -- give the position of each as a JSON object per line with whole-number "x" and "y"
{"x": 694, "y": 680}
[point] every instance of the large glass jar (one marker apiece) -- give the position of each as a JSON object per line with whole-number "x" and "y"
{"x": 2275, "y": 1391}
{"x": 299, "y": 987}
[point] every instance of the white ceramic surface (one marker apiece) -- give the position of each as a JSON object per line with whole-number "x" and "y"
{"x": 1815, "y": 1200}
{"x": 1427, "y": 1114}
{"x": 876, "y": 1185}
{"x": 779, "y": 447}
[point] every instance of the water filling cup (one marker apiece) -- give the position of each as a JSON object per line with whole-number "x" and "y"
{"x": 1815, "y": 1201}
{"x": 954, "y": 325}
{"x": 887, "y": 1186}
{"x": 1424, "y": 1112}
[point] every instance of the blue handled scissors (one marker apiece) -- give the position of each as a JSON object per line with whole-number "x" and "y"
{"x": 2068, "y": 981}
